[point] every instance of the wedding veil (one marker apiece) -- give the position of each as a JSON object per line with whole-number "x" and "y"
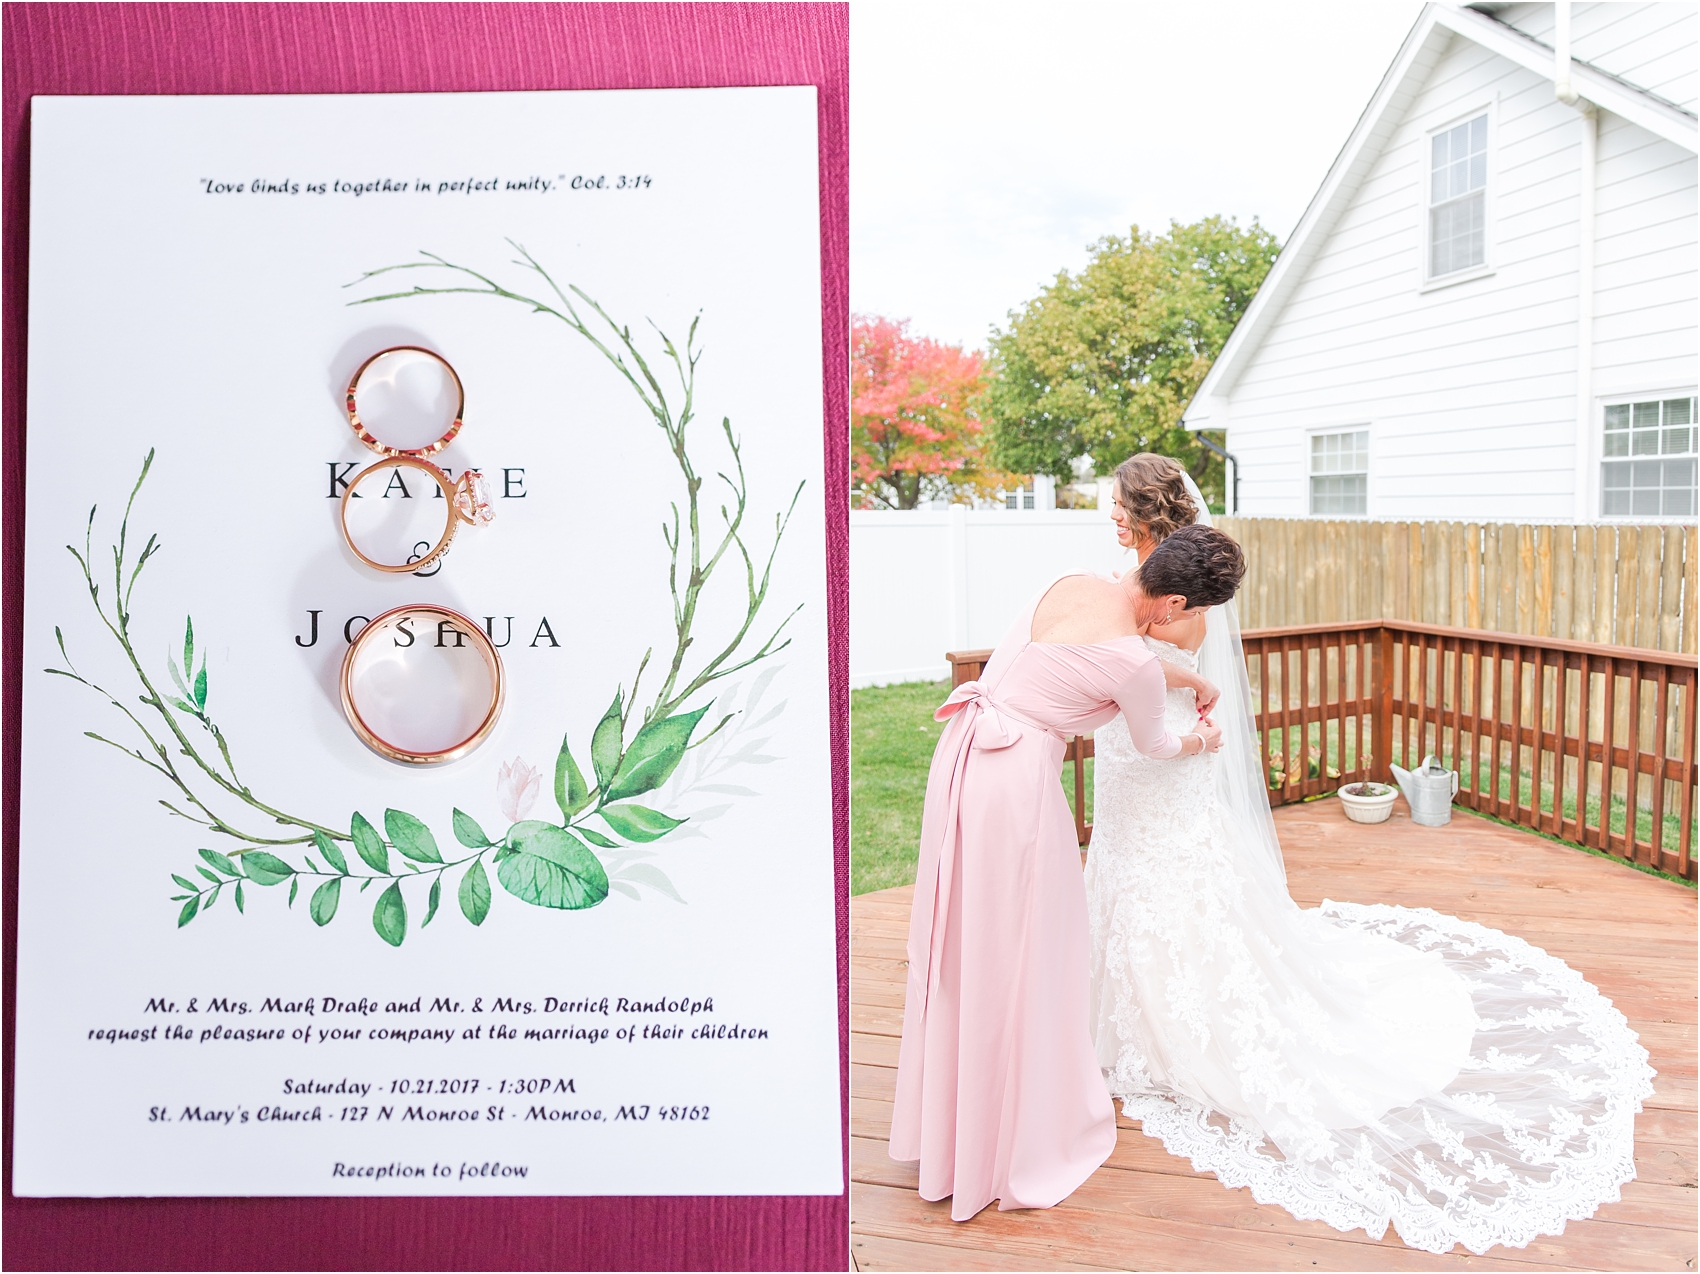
{"x": 1241, "y": 784}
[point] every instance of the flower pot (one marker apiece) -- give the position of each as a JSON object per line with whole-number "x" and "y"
{"x": 1368, "y": 802}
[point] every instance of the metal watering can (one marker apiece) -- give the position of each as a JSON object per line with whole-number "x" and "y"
{"x": 1429, "y": 790}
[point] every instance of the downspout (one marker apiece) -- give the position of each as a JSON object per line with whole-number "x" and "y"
{"x": 1585, "y": 468}
{"x": 1234, "y": 490}
{"x": 1565, "y": 92}
{"x": 1561, "y": 54}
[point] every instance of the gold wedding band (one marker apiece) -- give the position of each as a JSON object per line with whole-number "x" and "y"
{"x": 382, "y": 448}
{"x": 465, "y": 499}
{"x": 457, "y": 625}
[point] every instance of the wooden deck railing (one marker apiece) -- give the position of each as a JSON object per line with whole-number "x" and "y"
{"x": 1564, "y": 737}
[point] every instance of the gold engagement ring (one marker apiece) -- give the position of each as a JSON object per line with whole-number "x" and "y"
{"x": 465, "y": 500}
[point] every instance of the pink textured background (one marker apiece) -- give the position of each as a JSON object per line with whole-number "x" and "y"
{"x": 365, "y": 48}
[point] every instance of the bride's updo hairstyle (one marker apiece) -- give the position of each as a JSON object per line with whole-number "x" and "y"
{"x": 1152, "y": 489}
{"x": 1198, "y": 562}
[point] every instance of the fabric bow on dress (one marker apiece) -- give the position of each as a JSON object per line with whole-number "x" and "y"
{"x": 989, "y": 726}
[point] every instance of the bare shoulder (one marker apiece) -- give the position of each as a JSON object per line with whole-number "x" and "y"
{"x": 1082, "y": 609}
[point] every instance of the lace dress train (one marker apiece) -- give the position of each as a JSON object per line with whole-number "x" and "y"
{"x": 1360, "y": 1065}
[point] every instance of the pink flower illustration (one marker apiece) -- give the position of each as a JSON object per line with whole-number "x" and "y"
{"x": 517, "y": 785}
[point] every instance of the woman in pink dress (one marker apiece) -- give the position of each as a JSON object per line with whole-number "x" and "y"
{"x": 999, "y": 1093}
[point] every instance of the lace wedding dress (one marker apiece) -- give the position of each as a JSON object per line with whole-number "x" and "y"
{"x": 1362, "y": 1065}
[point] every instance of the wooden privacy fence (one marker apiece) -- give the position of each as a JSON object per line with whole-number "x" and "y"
{"x": 1591, "y": 743}
{"x": 1624, "y": 585}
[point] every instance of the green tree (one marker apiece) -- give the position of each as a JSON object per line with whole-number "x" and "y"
{"x": 1103, "y": 362}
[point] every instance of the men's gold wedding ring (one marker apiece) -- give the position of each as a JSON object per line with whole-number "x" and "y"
{"x": 422, "y": 685}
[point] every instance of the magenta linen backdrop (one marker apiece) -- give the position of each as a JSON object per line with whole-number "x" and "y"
{"x": 400, "y": 48}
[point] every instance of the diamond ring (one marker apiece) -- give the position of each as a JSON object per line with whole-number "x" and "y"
{"x": 465, "y": 500}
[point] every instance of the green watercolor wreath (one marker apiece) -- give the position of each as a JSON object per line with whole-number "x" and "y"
{"x": 541, "y": 863}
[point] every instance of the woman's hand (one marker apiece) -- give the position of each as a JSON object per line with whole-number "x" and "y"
{"x": 1208, "y": 693}
{"x": 1211, "y": 733}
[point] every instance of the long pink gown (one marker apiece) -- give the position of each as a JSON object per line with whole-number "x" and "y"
{"x": 999, "y": 1094}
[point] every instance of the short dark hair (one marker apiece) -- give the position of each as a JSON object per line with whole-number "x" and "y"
{"x": 1198, "y": 562}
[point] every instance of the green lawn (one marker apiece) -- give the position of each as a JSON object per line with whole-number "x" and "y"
{"x": 892, "y": 736}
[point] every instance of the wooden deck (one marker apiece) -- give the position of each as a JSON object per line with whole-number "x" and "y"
{"x": 1631, "y": 934}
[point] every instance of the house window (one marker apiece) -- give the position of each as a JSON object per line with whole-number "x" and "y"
{"x": 1022, "y": 499}
{"x": 1339, "y": 473}
{"x": 1650, "y": 460}
{"x": 1457, "y": 198}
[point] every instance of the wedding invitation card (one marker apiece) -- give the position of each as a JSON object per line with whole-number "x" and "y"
{"x": 596, "y": 954}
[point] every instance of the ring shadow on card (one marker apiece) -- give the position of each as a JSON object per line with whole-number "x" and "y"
{"x": 361, "y": 346}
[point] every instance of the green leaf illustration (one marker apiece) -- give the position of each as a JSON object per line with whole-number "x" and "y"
{"x": 544, "y": 864}
{"x": 475, "y": 893}
{"x": 467, "y": 831}
{"x": 571, "y": 794}
{"x": 368, "y": 844}
{"x": 325, "y": 898}
{"x": 221, "y": 861}
{"x": 654, "y": 877}
{"x": 266, "y": 869}
{"x": 605, "y": 743}
{"x": 653, "y": 756}
{"x": 389, "y": 916}
{"x": 332, "y": 854}
{"x": 639, "y": 823}
{"x": 552, "y": 868}
{"x": 411, "y": 837}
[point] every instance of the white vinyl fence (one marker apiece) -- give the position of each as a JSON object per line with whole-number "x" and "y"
{"x": 931, "y": 580}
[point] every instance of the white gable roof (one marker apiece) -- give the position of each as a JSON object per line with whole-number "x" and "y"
{"x": 1422, "y": 48}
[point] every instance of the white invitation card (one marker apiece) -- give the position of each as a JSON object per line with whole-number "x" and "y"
{"x": 595, "y": 955}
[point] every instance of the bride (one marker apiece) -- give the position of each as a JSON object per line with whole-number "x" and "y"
{"x": 1362, "y": 1065}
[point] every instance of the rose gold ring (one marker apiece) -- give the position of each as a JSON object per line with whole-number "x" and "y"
{"x": 383, "y": 448}
{"x": 465, "y": 499}
{"x": 439, "y": 628}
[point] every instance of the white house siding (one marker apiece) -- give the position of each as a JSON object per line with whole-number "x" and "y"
{"x": 1469, "y": 390}
{"x": 1645, "y": 296}
{"x": 1653, "y": 46}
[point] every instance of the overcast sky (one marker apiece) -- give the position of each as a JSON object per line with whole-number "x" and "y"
{"x": 990, "y": 143}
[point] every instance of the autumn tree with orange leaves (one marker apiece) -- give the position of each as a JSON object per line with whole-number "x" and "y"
{"x": 915, "y": 423}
